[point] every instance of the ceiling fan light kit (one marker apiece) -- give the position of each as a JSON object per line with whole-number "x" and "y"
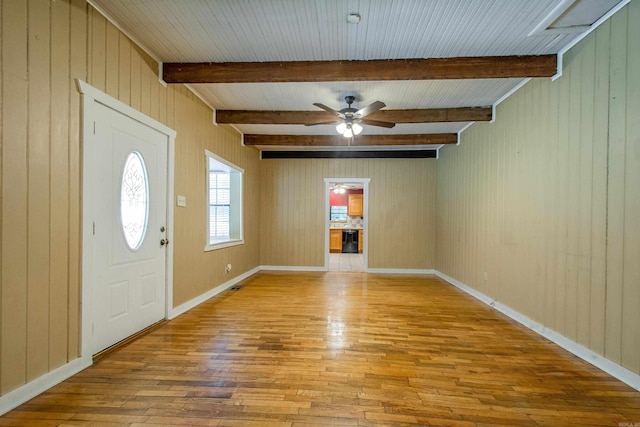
{"x": 349, "y": 129}
{"x": 349, "y": 118}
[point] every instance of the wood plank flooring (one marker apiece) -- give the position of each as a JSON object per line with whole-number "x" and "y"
{"x": 343, "y": 349}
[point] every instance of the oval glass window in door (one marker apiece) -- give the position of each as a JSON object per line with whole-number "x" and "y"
{"x": 134, "y": 200}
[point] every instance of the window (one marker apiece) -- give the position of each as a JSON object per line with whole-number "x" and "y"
{"x": 134, "y": 197}
{"x": 338, "y": 213}
{"x": 224, "y": 203}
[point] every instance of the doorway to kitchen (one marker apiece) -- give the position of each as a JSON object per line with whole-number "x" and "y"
{"x": 346, "y": 224}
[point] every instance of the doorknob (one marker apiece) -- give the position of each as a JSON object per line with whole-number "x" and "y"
{"x": 164, "y": 242}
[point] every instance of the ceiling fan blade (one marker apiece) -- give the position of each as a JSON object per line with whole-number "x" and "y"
{"x": 328, "y": 122}
{"x": 377, "y": 123}
{"x": 324, "y": 107}
{"x": 370, "y": 109}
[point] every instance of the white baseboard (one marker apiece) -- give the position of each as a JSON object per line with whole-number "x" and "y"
{"x": 612, "y": 368}
{"x": 400, "y": 271}
{"x": 30, "y": 390}
{"x": 183, "y": 308}
{"x": 291, "y": 268}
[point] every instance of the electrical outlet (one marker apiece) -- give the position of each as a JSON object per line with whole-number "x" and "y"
{"x": 227, "y": 268}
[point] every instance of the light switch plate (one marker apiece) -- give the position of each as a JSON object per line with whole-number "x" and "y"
{"x": 182, "y": 201}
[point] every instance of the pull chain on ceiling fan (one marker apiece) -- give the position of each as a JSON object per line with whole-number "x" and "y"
{"x": 349, "y": 119}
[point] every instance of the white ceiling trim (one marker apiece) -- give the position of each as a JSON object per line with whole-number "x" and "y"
{"x": 141, "y": 45}
{"x": 581, "y": 36}
{"x": 505, "y": 96}
{"x": 155, "y": 57}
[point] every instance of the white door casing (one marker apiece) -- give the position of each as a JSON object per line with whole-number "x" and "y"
{"x": 126, "y": 287}
{"x": 365, "y": 185}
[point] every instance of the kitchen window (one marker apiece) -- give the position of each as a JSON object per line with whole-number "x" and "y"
{"x": 224, "y": 203}
{"x": 338, "y": 213}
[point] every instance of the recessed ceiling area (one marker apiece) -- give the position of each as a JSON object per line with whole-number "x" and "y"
{"x": 438, "y": 66}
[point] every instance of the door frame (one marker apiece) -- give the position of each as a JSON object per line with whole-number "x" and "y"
{"x": 365, "y": 211}
{"x": 90, "y": 97}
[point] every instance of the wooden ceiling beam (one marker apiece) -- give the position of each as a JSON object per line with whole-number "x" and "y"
{"x": 340, "y": 141}
{"x": 433, "y": 115}
{"x": 481, "y": 67}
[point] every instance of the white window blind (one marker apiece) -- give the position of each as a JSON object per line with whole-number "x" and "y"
{"x": 224, "y": 203}
{"x": 219, "y": 205}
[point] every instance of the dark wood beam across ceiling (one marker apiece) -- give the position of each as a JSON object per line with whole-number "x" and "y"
{"x": 434, "y": 115}
{"x": 340, "y": 141}
{"x": 481, "y": 67}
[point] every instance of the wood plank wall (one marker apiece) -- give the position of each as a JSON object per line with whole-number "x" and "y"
{"x": 540, "y": 209}
{"x": 45, "y": 46}
{"x": 401, "y": 230}
{"x": 43, "y": 50}
{"x": 124, "y": 71}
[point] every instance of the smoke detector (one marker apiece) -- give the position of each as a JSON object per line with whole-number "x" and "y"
{"x": 353, "y": 18}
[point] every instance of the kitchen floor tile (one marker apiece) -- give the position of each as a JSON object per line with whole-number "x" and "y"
{"x": 346, "y": 262}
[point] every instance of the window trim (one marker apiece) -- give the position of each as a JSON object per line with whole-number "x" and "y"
{"x": 236, "y": 202}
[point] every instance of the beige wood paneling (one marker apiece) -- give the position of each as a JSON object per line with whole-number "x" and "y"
{"x": 97, "y": 49}
{"x": 539, "y": 209}
{"x": 45, "y": 47}
{"x": 43, "y": 50}
{"x": 38, "y": 196}
{"x": 14, "y": 195}
{"x": 129, "y": 74}
{"x": 2, "y": 194}
{"x": 631, "y": 284}
{"x": 77, "y": 69}
{"x": 401, "y": 210}
{"x": 61, "y": 86}
{"x": 616, "y": 189}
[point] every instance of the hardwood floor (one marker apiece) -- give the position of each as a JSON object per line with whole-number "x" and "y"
{"x": 340, "y": 349}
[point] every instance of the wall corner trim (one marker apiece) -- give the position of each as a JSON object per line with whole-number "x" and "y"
{"x": 623, "y": 374}
{"x": 30, "y": 390}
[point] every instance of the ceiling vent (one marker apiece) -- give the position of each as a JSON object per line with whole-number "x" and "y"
{"x": 574, "y": 16}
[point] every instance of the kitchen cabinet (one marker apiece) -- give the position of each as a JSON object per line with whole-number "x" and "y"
{"x": 335, "y": 240}
{"x": 360, "y": 240}
{"x": 355, "y": 205}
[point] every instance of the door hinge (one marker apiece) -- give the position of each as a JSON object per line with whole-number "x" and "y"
{"x": 94, "y": 128}
{"x": 94, "y": 228}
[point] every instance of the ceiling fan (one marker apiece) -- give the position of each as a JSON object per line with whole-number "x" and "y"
{"x": 349, "y": 119}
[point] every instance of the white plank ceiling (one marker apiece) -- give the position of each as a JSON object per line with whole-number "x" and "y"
{"x": 317, "y": 30}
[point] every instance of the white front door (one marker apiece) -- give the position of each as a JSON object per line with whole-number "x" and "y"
{"x": 129, "y": 227}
